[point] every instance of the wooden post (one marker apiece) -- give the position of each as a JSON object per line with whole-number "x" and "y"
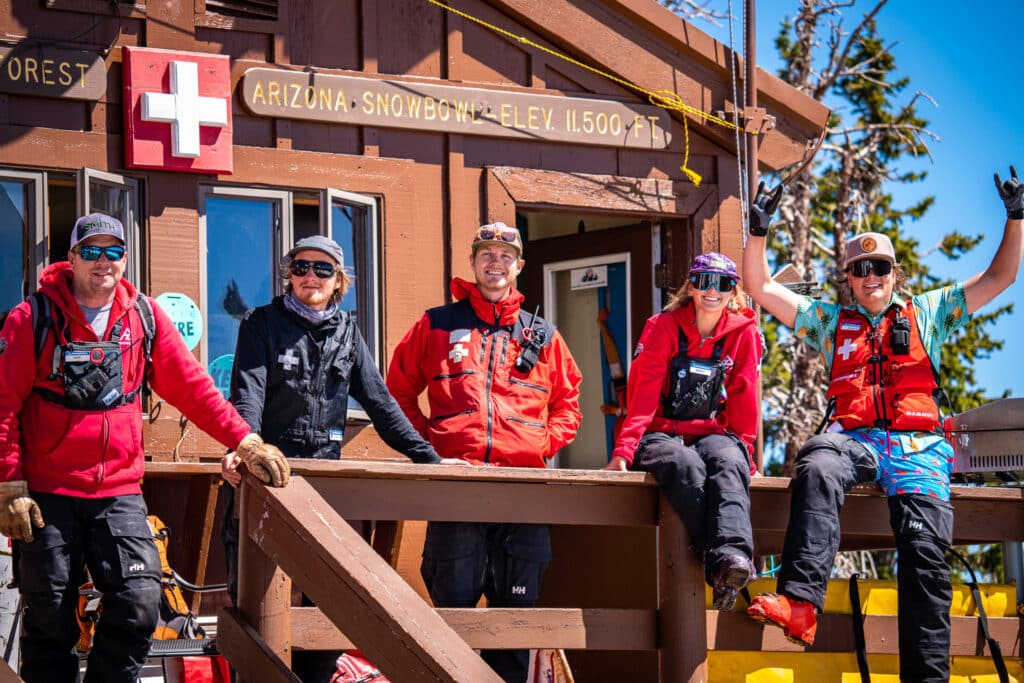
{"x": 682, "y": 627}
{"x": 264, "y": 590}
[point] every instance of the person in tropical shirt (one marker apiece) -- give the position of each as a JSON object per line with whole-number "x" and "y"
{"x": 882, "y": 355}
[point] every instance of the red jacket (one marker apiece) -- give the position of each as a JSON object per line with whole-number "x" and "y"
{"x": 95, "y": 454}
{"x": 875, "y": 387}
{"x": 481, "y": 407}
{"x": 648, "y": 378}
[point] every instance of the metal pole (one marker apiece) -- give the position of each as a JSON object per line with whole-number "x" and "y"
{"x": 750, "y": 91}
{"x": 1013, "y": 568}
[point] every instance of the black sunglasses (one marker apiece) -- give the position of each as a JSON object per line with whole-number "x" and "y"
{"x": 865, "y": 267}
{"x": 322, "y": 269}
{"x": 90, "y": 252}
{"x": 723, "y": 283}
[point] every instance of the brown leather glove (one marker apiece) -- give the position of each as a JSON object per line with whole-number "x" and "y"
{"x": 18, "y": 512}
{"x": 267, "y": 462}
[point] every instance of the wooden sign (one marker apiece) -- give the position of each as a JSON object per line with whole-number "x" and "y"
{"x": 418, "y": 105}
{"x": 45, "y": 71}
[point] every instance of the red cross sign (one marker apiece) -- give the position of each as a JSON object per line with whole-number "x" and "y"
{"x": 177, "y": 108}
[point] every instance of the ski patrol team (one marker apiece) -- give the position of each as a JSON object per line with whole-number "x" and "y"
{"x": 502, "y": 389}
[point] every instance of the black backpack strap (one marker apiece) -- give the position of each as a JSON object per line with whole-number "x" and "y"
{"x": 993, "y": 645}
{"x": 716, "y": 352}
{"x": 857, "y": 620}
{"x": 829, "y": 409}
{"x": 145, "y": 308}
{"x": 42, "y": 316}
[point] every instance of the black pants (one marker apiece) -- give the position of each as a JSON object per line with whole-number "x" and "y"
{"x": 707, "y": 483}
{"x": 826, "y": 468}
{"x": 505, "y": 562}
{"x": 110, "y": 536}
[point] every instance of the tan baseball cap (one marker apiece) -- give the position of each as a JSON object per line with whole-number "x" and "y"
{"x": 869, "y": 245}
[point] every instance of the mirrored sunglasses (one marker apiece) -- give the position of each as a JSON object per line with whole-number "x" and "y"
{"x": 322, "y": 269}
{"x": 722, "y": 283}
{"x": 91, "y": 252}
{"x": 865, "y": 267}
{"x": 510, "y": 235}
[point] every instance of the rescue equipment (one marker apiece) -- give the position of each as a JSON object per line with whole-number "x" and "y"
{"x": 695, "y": 389}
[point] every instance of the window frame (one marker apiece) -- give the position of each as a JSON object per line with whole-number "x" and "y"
{"x": 34, "y": 259}
{"x": 367, "y": 268}
{"x": 129, "y": 219}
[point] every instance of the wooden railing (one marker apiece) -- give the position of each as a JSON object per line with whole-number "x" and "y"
{"x": 297, "y": 534}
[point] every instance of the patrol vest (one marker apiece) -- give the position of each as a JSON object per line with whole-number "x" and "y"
{"x": 881, "y": 375}
{"x": 694, "y": 384}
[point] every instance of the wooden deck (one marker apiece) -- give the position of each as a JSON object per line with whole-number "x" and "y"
{"x": 297, "y": 534}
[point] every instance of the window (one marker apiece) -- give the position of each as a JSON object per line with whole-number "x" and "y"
{"x": 21, "y": 212}
{"x": 38, "y": 210}
{"x": 246, "y": 233}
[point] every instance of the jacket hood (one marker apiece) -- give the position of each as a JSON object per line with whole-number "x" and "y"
{"x": 55, "y": 282}
{"x": 504, "y": 312}
{"x": 730, "y": 321}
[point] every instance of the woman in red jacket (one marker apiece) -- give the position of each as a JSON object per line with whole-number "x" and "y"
{"x": 692, "y": 414}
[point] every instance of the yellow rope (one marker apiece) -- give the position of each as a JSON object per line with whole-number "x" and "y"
{"x": 666, "y": 99}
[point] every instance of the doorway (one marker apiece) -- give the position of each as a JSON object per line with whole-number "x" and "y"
{"x": 575, "y": 275}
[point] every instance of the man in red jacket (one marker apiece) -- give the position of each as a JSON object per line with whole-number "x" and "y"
{"x": 503, "y": 390}
{"x": 71, "y": 456}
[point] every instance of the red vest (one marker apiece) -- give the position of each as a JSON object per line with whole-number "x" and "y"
{"x": 875, "y": 387}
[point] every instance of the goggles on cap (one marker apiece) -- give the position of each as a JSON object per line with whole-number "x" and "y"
{"x": 722, "y": 283}
{"x": 322, "y": 269}
{"x": 489, "y": 233}
{"x": 91, "y": 252}
{"x": 879, "y": 266}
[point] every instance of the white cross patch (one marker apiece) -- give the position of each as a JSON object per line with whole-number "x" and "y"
{"x": 846, "y": 349}
{"x": 184, "y": 109}
{"x": 457, "y": 353}
{"x": 288, "y": 360}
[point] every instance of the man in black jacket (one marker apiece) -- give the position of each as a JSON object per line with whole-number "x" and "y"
{"x": 297, "y": 360}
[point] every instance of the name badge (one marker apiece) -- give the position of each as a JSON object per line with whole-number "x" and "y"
{"x": 76, "y": 356}
{"x": 700, "y": 369}
{"x": 335, "y": 434}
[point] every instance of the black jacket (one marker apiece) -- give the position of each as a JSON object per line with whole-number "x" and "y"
{"x": 292, "y": 379}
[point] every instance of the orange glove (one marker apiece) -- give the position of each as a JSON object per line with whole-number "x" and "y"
{"x": 18, "y": 512}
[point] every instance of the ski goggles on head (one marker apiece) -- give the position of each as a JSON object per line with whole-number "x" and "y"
{"x": 864, "y": 267}
{"x": 722, "y": 283}
{"x": 322, "y": 269}
{"x": 91, "y": 252}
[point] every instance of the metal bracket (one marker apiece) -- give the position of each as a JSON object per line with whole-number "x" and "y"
{"x": 754, "y": 119}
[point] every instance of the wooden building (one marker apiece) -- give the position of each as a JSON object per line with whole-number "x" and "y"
{"x": 220, "y": 131}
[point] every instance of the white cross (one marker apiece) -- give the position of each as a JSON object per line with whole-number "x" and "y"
{"x": 457, "y": 353}
{"x": 846, "y": 349}
{"x": 288, "y": 360}
{"x": 184, "y": 109}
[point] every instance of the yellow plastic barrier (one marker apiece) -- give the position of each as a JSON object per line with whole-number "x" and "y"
{"x": 880, "y": 597}
{"x": 813, "y": 667}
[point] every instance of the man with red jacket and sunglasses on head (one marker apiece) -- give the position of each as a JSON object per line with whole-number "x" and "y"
{"x": 71, "y": 457}
{"x": 882, "y": 354}
{"x": 503, "y": 390}
{"x": 692, "y": 416}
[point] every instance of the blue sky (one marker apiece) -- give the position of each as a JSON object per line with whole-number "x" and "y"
{"x": 969, "y": 63}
